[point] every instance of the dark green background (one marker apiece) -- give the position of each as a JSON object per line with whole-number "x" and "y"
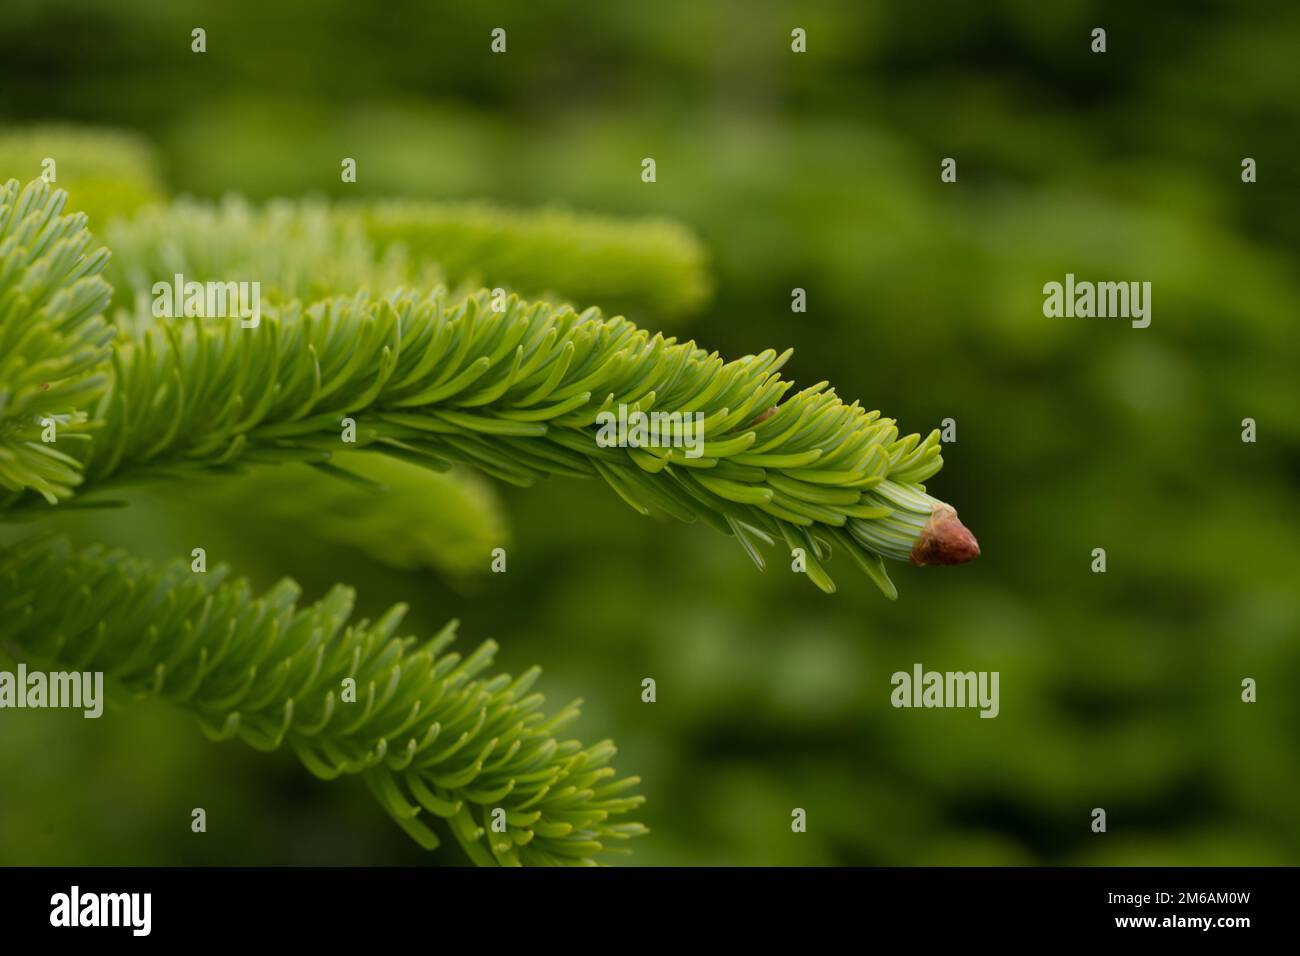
{"x": 819, "y": 171}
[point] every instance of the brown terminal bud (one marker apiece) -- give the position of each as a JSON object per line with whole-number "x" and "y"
{"x": 944, "y": 539}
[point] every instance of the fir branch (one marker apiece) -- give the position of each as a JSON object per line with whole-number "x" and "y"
{"x": 53, "y": 340}
{"x": 432, "y": 735}
{"x": 516, "y": 394}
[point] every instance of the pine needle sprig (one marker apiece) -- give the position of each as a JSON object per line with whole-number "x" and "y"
{"x": 443, "y": 745}
{"x": 517, "y": 394}
{"x": 54, "y": 342}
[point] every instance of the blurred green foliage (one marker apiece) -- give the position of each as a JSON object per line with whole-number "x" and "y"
{"x": 1119, "y": 690}
{"x": 310, "y": 250}
{"x": 105, "y": 173}
{"x": 637, "y": 268}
